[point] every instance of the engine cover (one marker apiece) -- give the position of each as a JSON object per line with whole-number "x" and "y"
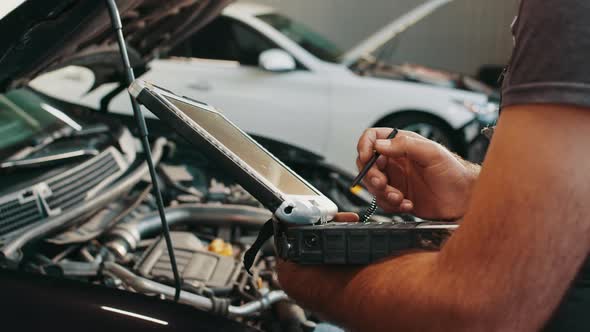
{"x": 197, "y": 266}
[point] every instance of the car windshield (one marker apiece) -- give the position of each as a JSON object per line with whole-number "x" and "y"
{"x": 311, "y": 41}
{"x": 23, "y": 117}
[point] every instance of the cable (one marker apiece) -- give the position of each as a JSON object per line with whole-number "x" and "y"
{"x": 370, "y": 211}
{"x": 143, "y": 133}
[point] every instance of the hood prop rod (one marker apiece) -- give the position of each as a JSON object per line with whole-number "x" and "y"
{"x": 143, "y": 133}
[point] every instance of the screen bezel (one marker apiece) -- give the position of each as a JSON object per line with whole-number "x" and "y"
{"x": 305, "y": 189}
{"x": 137, "y": 89}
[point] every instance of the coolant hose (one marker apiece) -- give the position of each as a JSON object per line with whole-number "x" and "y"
{"x": 126, "y": 236}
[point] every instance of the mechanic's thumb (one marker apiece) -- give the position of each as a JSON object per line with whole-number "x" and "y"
{"x": 389, "y": 148}
{"x": 422, "y": 151}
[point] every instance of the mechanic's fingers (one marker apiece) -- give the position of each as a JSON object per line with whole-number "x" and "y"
{"x": 389, "y": 198}
{"x": 374, "y": 178}
{"x": 393, "y": 196}
{"x": 411, "y": 146}
{"x": 359, "y": 164}
{"x": 406, "y": 206}
{"x": 381, "y": 163}
{"x": 402, "y": 206}
{"x": 378, "y": 184}
{"x": 346, "y": 217}
{"x": 366, "y": 144}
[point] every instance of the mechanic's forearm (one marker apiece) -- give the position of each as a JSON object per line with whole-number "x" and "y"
{"x": 400, "y": 294}
{"x": 414, "y": 293}
{"x": 397, "y": 295}
{"x": 387, "y": 296}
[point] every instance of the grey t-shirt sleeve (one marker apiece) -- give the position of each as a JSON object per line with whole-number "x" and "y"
{"x": 550, "y": 63}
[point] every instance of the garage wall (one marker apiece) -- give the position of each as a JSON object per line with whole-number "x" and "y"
{"x": 460, "y": 36}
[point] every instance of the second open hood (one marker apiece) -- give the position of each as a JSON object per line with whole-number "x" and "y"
{"x": 40, "y": 35}
{"x": 391, "y": 30}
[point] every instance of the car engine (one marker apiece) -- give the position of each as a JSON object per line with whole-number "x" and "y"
{"x": 93, "y": 218}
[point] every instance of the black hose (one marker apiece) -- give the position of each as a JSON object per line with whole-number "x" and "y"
{"x": 80, "y": 269}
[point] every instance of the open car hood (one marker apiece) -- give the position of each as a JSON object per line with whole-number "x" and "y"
{"x": 41, "y": 35}
{"x": 422, "y": 74}
{"x": 390, "y": 31}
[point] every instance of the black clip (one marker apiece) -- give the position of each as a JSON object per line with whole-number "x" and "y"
{"x": 266, "y": 232}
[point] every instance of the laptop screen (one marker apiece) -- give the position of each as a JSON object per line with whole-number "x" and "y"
{"x": 245, "y": 148}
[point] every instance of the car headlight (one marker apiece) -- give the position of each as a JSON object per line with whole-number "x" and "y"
{"x": 487, "y": 108}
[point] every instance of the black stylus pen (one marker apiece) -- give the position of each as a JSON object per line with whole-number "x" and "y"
{"x": 371, "y": 162}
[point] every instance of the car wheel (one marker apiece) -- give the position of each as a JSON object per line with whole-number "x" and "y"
{"x": 426, "y": 126}
{"x": 478, "y": 149}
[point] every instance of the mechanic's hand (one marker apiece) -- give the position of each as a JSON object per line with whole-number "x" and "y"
{"x": 416, "y": 175}
{"x": 346, "y": 217}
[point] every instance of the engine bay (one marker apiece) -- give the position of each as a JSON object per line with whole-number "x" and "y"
{"x": 91, "y": 217}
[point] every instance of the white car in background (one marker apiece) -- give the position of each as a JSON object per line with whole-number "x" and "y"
{"x": 275, "y": 78}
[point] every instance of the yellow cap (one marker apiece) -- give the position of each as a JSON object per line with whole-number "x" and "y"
{"x": 220, "y": 247}
{"x": 356, "y": 189}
